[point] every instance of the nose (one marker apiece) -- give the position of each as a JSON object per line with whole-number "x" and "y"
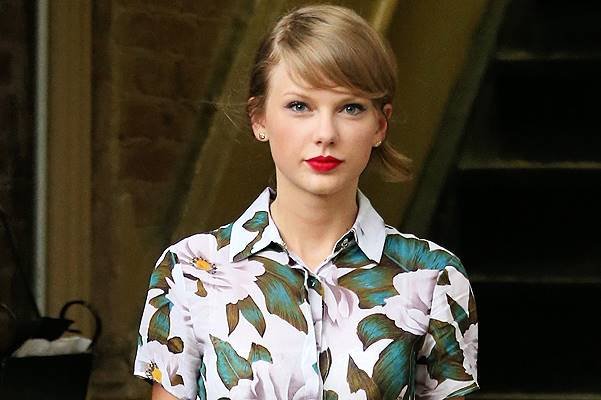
{"x": 326, "y": 131}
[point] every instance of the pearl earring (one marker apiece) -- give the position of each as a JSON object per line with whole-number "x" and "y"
{"x": 262, "y": 136}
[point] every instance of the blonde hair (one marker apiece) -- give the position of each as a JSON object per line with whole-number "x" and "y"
{"x": 327, "y": 46}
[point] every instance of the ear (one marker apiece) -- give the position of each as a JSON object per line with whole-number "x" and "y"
{"x": 257, "y": 121}
{"x": 383, "y": 119}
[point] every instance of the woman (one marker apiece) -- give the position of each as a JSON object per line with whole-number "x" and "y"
{"x": 308, "y": 294}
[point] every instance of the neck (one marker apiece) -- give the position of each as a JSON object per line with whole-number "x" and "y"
{"x": 311, "y": 224}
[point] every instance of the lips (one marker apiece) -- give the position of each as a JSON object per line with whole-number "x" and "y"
{"x": 324, "y": 164}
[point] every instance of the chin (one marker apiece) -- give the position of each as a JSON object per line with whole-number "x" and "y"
{"x": 318, "y": 184}
{"x": 324, "y": 187}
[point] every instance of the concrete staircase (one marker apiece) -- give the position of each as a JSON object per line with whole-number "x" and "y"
{"x": 522, "y": 204}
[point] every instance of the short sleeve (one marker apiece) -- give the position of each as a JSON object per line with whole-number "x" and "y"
{"x": 168, "y": 351}
{"x": 446, "y": 364}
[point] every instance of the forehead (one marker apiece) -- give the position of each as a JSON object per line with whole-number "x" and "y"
{"x": 282, "y": 80}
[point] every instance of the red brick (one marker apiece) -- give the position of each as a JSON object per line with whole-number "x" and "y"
{"x": 151, "y": 161}
{"x": 217, "y": 9}
{"x": 164, "y": 5}
{"x": 191, "y": 80}
{"x": 5, "y": 67}
{"x": 150, "y": 201}
{"x": 165, "y": 119}
{"x": 12, "y": 19}
{"x": 172, "y": 34}
{"x": 5, "y": 159}
{"x": 8, "y": 115}
{"x": 149, "y": 75}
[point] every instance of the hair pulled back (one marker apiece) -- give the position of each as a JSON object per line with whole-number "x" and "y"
{"x": 325, "y": 46}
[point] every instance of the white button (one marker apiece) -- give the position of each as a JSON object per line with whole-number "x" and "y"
{"x": 345, "y": 242}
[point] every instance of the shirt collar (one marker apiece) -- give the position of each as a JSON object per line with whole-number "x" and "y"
{"x": 255, "y": 229}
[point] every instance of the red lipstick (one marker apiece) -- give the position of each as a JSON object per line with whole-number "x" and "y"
{"x": 323, "y": 164}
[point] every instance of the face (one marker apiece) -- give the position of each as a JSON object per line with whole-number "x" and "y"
{"x": 320, "y": 139}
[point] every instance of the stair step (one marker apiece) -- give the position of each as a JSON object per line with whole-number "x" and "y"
{"x": 547, "y": 100}
{"x": 534, "y": 396}
{"x": 535, "y": 339}
{"x": 521, "y": 207}
{"x": 552, "y": 25}
{"x": 533, "y": 274}
{"x": 537, "y": 111}
{"x": 523, "y": 224}
{"x": 478, "y": 162}
{"x": 508, "y": 54}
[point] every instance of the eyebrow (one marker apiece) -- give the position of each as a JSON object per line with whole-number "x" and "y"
{"x": 349, "y": 97}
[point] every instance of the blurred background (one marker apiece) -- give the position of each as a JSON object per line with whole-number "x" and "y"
{"x": 122, "y": 129}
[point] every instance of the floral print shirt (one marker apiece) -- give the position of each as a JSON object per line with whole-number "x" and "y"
{"x": 232, "y": 314}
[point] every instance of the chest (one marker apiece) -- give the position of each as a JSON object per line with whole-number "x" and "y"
{"x": 283, "y": 332}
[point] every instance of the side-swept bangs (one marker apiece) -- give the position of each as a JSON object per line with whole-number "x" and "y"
{"x": 325, "y": 49}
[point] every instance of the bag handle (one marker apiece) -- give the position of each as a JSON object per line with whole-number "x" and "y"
{"x": 91, "y": 310}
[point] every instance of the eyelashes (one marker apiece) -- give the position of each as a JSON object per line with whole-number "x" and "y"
{"x": 297, "y": 106}
{"x": 350, "y": 108}
{"x": 354, "y": 108}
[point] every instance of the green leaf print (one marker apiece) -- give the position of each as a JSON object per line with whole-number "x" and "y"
{"x": 232, "y": 314}
{"x": 292, "y": 277}
{"x": 331, "y": 395}
{"x": 443, "y": 279}
{"x": 358, "y": 379}
{"x": 372, "y": 286}
{"x": 459, "y": 314}
{"x": 257, "y": 223}
{"x": 200, "y": 288}
{"x": 375, "y": 327}
{"x": 176, "y": 380}
{"x": 412, "y": 254}
{"x": 445, "y": 348}
{"x": 471, "y": 309}
{"x": 325, "y": 362}
{"x": 159, "y": 301}
{"x": 159, "y": 325}
{"x": 251, "y": 312}
{"x": 230, "y": 366}
{"x": 158, "y": 279}
{"x": 317, "y": 286}
{"x": 202, "y": 377}
{"x": 222, "y": 235}
{"x": 283, "y": 289}
{"x": 390, "y": 371}
{"x": 464, "y": 391}
{"x": 258, "y": 352}
{"x": 175, "y": 345}
{"x": 352, "y": 257}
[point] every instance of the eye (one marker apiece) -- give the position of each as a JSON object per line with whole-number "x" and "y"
{"x": 297, "y": 106}
{"x": 353, "y": 109}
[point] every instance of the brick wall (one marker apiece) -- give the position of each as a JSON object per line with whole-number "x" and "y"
{"x": 156, "y": 66}
{"x": 16, "y": 139}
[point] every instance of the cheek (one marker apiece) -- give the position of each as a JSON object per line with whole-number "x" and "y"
{"x": 363, "y": 150}
{"x": 283, "y": 150}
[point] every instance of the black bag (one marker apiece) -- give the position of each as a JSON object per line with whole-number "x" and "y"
{"x": 52, "y": 377}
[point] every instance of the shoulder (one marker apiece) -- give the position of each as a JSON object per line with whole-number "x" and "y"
{"x": 412, "y": 253}
{"x": 211, "y": 246}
